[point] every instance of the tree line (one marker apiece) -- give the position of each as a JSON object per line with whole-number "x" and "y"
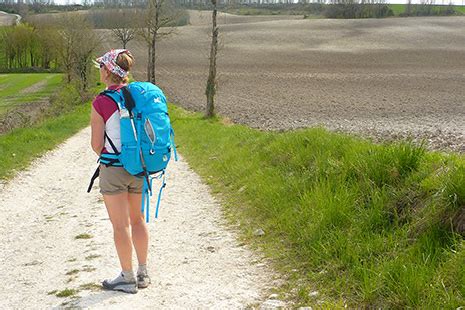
{"x": 67, "y": 46}
{"x": 24, "y": 46}
{"x": 65, "y": 42}
{"x": 69, "y": 42}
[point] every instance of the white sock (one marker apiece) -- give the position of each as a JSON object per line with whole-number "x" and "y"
{"x": 128, "y": 275}
{"x": 142, "y": 269}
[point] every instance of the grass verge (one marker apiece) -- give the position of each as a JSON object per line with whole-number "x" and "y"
{"x": 14, "y": 88}
{"x": 65, "y": 116}
{"x": 20, "y": 146}
{"x": 361, "y": 224}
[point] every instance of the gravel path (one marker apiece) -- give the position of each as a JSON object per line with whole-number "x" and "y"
{"x": 194, "y": 260}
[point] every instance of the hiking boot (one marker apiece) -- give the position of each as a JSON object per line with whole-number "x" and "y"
{"x": 143, "y": 280}
{"x": 121, "y": 284}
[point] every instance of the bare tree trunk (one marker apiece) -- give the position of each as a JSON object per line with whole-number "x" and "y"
{"x": 408, "y": 9}
{"x": 211, "y": 82}
{"x": 154, "y": 38}
{"x": 149, "y": 60}
{"x": 153, "y": 48}
{"x": 156, "y": 19}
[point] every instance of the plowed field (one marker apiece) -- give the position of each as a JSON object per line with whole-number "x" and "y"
{"x": 382, "y": 78}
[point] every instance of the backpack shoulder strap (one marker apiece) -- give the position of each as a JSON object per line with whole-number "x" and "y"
{"x": 115, "y": 150}
{"x": 128, "y": 100}
{"x": 115, "y": 96}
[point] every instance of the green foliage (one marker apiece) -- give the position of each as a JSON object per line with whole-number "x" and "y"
{"x": 27, "y": 48}
{"x": 64, "y": 100}
{"x": 426, "y": 9}
{"x": 366, "y": 225}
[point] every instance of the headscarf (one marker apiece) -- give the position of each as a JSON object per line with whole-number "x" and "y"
{"x": 109, "y": 60}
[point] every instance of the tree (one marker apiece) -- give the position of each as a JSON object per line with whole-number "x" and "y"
{"x": 210, "y": 90}
{"x": 126, "y": 28}
{"x": 78, "y": 45}
{"x": 408, "y": 8}
{"x": 48, "y": 38}
{"x": 159, "y": 14}
{"x": 20, "y": 46}
{"x": 123, "y": 22}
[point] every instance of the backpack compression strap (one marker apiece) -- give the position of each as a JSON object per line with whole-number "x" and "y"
{"x": 173, "y": 144}
{"x": 146, "y": 194}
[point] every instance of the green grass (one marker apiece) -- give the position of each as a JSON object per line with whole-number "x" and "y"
{"x": 12, "y": 85}
{"x": 400, "y": 8}
{"x": 84, "y": 236}
{"x": 91, "y": 287}
{"x": 71, "y": 272}
{"x": 460, "y": 8}
{"x": 20, "y": 146}
{"x": 364, "y": 225}
{"x": 397, "y": 8}
{"x": 52, "y": 292}
{"x": 66, "y": 293}
{"x": 92, "y": 256}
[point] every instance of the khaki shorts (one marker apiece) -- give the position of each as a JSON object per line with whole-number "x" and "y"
{"x": 116, "y": 180}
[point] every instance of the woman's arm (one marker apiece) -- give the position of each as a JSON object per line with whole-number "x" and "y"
{"x": 97, "y": 126}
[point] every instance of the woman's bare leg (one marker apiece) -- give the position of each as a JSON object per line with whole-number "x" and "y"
{"x": 118, "y": 210}
{"x": 140, "y": 235}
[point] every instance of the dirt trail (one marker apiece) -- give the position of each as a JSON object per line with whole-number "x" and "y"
{"x": 34, "y": 87}
{"x": 8, "y": 19}
{"x": 195, "y": 261}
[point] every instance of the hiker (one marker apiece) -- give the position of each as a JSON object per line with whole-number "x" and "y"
{"x": 121, "y": 191}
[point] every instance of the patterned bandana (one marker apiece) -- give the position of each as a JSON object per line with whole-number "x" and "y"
{"x": 109, "y": 60}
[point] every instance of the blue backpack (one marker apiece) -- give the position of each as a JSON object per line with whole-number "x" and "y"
{"x": 147, "y": 138}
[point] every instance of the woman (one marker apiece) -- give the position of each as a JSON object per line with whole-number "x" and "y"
{"x": 121, "y": 191}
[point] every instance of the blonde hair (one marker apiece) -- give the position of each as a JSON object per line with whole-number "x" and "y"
{"x": 125, "y": 61}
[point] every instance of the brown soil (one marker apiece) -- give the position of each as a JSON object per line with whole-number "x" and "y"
{"x": 382, "y": 78}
